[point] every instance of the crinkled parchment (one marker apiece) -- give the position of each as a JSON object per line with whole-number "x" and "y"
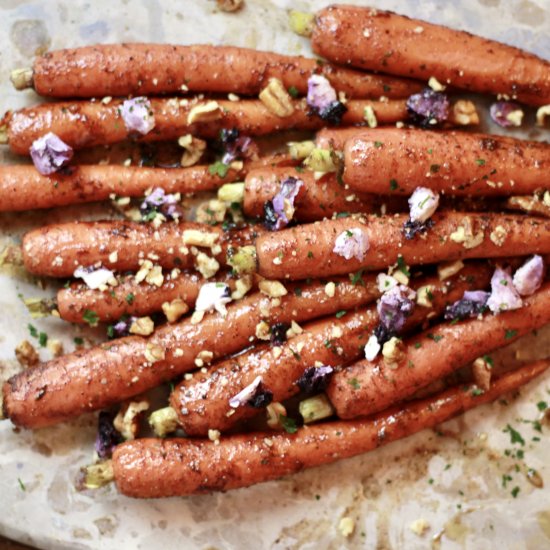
{"x": 452, "y": 480}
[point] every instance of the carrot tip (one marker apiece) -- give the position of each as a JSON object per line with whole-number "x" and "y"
{"x": 22, "y": 78}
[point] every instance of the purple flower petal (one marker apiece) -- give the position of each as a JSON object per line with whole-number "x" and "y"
{"x": 159, "y": 201}
{"x": 49, "y": 153}
{"x": 122, "y": 327}
{"x": 423, "y": 203}
{"x": 529, "y": 277}
{"x": 280, "y": 210}
{"x": 315, "y": 379}
{"x": 506, "y": 113}
{"x": 320, "y": 93}
{"x": 107, "y": 436}
{"x": 471, "y": 304}
{"x": 395, "y": 306}
{"x": 352, "y": 243}
{"x": 428, "y": 109}
{"x": 246, "y": 394}
{"x": 94, "y": 277}
{"x": 504, "y": 296}
{"x": 137, "y": 115}
{"x": 235, "y": 146}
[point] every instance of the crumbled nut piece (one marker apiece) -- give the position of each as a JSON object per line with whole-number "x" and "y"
{"x": 127, "y": 420}
{"x": 294, "y": 330}
{"x": 154, "y": 353}
{"x": 263, "y": 331}
{"x": 113, "y": 257}
{"x": 515, "y": 117}
{"x": 400, "y": 277}
{"x": 393, "y": 352}
{"x": 178, "y": 352}
{"x": 197, "y": 317}
{"x": 370, "y": 116}
{"x": 419, "y": 526}
{"x": 174, "y": 309}
{"x": 233, "y": 97}
{"x": 498, "y": 235}
{"x": 274, "y": 412}
{"x": 194, "y": 149}
{"x": 446, "y": 270}
{"x": 55, "y": 347}
{"x": 464, "y": 113}
{"x": 481, "y": 370}
{"x": 346, "y": 526}
{"x": 418, "y": 30}
{"x": 330, "y": 289}
{"x": 276, "y": 98}
{"x": 26, "y": 355}
{"x": 542, "y": 113}
{"x": 277, "y": 352}
{"x": 212, "y": 211}
{"x": 204, "y": 112}
{"x": 230, "y": 5}
{"x": 424, "y": 295}
{"x": 465, "y": 234}
{"x": 336, "y": 332}
{"x": 214, "y": 435}
{"x": 242, "y": 286}
{"x": 144, "y": 326}
{"x": 273, "y": 289}
{"x": 206, "y": 265}
{"x": 204, "y": 358}
{"x": 243, "y": 260}
{"x": 195, "y": 237}
{"x": 155, "y": 276}
{"x": 144, "y": 270}
{"x": 435, "y": 85}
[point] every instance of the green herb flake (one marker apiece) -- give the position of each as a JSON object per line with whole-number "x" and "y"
{"x": 91, "y": 317}
{"x": 43, "y": 339}
{"x": 218, "y": 168}
{"x": 21, "y": 484}
{"x": 310, "y": 254}
{"x": 289, "y": 424}
{"x": 435, "y": 337}
{"x": 402, "y": 266}
{"x": 293, "y": 91}
{"x": 130, "y": 297}
{"x": 357, "y": 278}
{"x": 354, "y": 383}
{"x": 489, "y": 360}
{"x": 515, "y": 436}
{"x": 342, "y": 215}
{"x": 542, "y": 405}
{"x": 298, "y": 291}
{"x": 78, "y": 341}
{"x": 417, "y": 345}
{"x": 476, "y": 392}
{"x": 510, "y": 333}
{"x": 393, "y": 185}
{"x": 514, "y": 492}
{"x": 32, "y": 330}
{"x": 378, "y": 144}
{"x": 340, "y": 313}
{"x": 447, "y": 467}
{"x": 480, "y": 162}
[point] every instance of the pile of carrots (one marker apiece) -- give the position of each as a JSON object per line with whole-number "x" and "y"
{"x": 302, "y": 312}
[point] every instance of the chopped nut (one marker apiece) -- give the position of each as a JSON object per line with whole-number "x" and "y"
{"x": 435, "y": 85}
{"x": 113, "y": 257}
{"x": 233, "y": 97}
{"x": 465, "y": 234}
{"x": 164, "y": 421}
{"x": 243, "y": 260}
{"x": 204, "y": 112}
{"x": 515, "y": 117}
{"x": 330, "y": 289}
{"x": 274, "y": 412}
{"x": 393, "y": 352}
{"x": 276, "y": 98}
{"x": 127, "y": 420}
{"x": 55, "y": 347}
{"x": 346, "y": 526}
{"x": 204, "y": 358}
{"x": 144, "y": 270}
{"x": 294, "y": 330}
{"x": 542, "y": 113}
{"x": 273, "y": 289}
{"x": 26, "y": 355}
{"x": 174, "y": 309}
{"x": 419, "y": 526}
{"x": 464, "y": 113}
{"x": 206, "y": 265}
{"x": 144, "y": 326}
{"x": 323, "y": 161}
{"x": 446, "y": 270}
{"x": 178, "y": 352}
{"x": 498, "y": 235}
{"x": 231, "y": 192}
{"x": 154, "y": 353}
{"x": 481, "y": 370}
{"x": 155, "y": 276}
{"x": 370, "y": 116}
{"x": 277, "y": 352}
{"x": 242, "y": 286}
{"x": 400, "y": 277}
{"x": 263, "y": 331}
{"x": 337, "y": 332}
{"x": 424, "y": 295}
{"x": 214, "y": 435}
{"x": 301, "y": 23}
{"x": 195, "y": 237}
{"x": 194, "y": 149}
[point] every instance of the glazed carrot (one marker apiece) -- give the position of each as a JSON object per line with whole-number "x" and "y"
{"x": 22, "y": 187}
{"x": 129, "y": 297}
{"x": 317, "y": 199}
{"x": 95, "y": 378}
{"x": 202, "y": 403}
{"x": 394, "y": 44}
{"x": 308, "y": 250}
{"x": 84, "y": 123}
{"x": 57, "y": 250}
{"x": 335, "y": 138}
{"x": 155, "y": 468}
{"x": 388, "y": 160}
{"x": 134, "y": 69}
{"x": 430, "y": 356}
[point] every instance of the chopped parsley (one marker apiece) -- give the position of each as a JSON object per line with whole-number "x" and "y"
{"x": 310, "y": 254}
{"x": 298, "y": 291}
{"x": 402, "y": 266}
{"x": 78, "y": 341}
{"x": 354, "y": 383}
{"x": 218, "y": 168}
{"x": 293, "y": 91}
{"x": 289, "y": 424}
{"x": 417, "y": 345}
{"x": 32, "y": 330}
{"x": 515, "y": 436}
{"x": 43, "y": 339}
{"x": 130, "y": 298}
{"x": 342, "y": 215}
{"x": 91, "y": 317}
{"x": 435, "y": 337}
{"x": 393, "y": 184}
{"x": 21, "y": 484}
{"x": 476, "y": 392}
{"x": 480, "y": 162}
{"x": 340, "y": 313}
{"x": 510, "y": 333}
{"x": 489, "y": 360}
{"x": 514, "y": 492}
{"x": 542, "y": 405}
{"x": 378, "y": 144}
{"x": 357, "y": 278}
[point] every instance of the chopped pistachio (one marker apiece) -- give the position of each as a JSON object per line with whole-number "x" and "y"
{"x": 98, "y": 475}
{"x": 315, "y": 408}
{"x": 273, "y": 289}
{"x": 163, "y": 421}
{"x": 300, "y": 149}
{"x": 154, "y": 353}
{"x": 231, "y": 192}
{"x": 301, "y": 23}
{"x": 322, "y": 160}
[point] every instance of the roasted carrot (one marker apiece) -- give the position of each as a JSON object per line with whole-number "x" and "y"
{"x": 22, "y": 187}
{"x": 98, "y": 377}
{"x": 134, "y": 69}
{"x": 129, "y": 297}
{"x": 392, "y": 161}
{"x": 384, "y": 41}
{"x": 155, "y": 468}
{"x": 84, "y": 123}
{"x": 57, "y": 250}
{"x": 202, "y": 403}
{"x": 308, "y": 250}
{"x": 432, "y": 355}
{"x": 317, "y": 199}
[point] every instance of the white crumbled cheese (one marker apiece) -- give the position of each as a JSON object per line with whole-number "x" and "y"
{"x": 213, "y": 296}
{"x": 330, "y": 289}
{"x": 245, "y": 394}
{"x": 337, "y": 332}
{"x": 273, "y": 289}
{"x": 178, "y": 352}
{"x": 446, "y": 270}
{"x": 113, "y": 257}
{"x": 346, "y": 526}
{"x": 352, "y": 243}
{"x": 372, "y": 348}
{"x": 422, "y": 204}
{"x": 418, "y": 30}
{"x": 94, "y": 279}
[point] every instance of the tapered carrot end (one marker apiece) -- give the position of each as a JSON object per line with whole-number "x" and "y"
{"x": 22, "y": 78}
{"x": 301, "y": 22}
